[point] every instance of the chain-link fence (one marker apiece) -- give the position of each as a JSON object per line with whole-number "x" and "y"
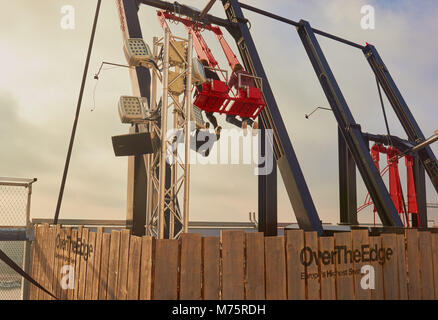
{"x": 14, "y": 217}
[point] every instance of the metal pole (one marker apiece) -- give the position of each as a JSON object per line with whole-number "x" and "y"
{"x": 296, "y": 24}
{"x": 150, "y": 157}
{"x": 424, "y": 144}
{"x": 78, "y": 109}
{"x": 162, "y": 176}
{"x": 27, "y": 246}
{"x": 187, "y": 133}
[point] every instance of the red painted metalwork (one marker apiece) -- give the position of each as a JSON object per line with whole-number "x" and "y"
{"x": 214, "y": 96}
{"x": 412, "y": 195}
{"x": 394, "y": 178}
{"x": 248, "y": 103}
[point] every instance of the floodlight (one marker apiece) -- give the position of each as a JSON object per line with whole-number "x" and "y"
{"x": 132, "y": 109}
{"x": 198, "y": 72}
{"x": 138, "y": 53}
{"x": 196, "y": 116}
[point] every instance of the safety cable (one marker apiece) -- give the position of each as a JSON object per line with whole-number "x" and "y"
{"x": 78, "y": 109}
{"x": 384, "y": 111}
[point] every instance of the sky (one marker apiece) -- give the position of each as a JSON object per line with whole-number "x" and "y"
{"x": 42, "y": 67}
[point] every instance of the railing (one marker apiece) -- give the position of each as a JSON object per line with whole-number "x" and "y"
{"x": 15, "y": 234}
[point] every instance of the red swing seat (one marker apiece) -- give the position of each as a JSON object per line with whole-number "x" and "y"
{"x": 248, "y": 103}
{"x": 213, "y": 95}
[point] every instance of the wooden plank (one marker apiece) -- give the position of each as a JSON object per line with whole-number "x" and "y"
{"x": 104, "y": 265}
{"x": 40, "y": 252}
{"x": 390, "y": 266}
{"x": 211, "y": 268}
{"x": 59, "y": 260}
{"x": 113, "y": 265}
{"x": 255, "y": 266}
{"x": 146, "y": 267}
{"x": 97, "y": 264}
{"x": 328, "y": 268}
{"x": 57, "y": 252}
{"x": 414, "y": 280}
{"x": 275, "y": 262}
{"x": 165, "y": 282}
{"x": 401, "y": 265}
{"x": 122, "y": 280}
{"x": 296, "y": 285}
{"x": 90, "y": 265}
{"x": 191, "y": 265}
{"x": 360, "y": 239}
{"x": 44, "y": 258}
{"x": 435, "y": 262}
{"x": 378, "y": 292}
{"x": 426, "y": 266}
{"x": 134, "y": 268}
{"x": 232, "y": 265}
{"x": 33, "y": 266}
{"x": 313, "y": 291}
{"x": 66, "y": 259}
{"x": 36, "y": 262}
{"x": 344, "y": 263}
{"x": 82, "y": 249}
{"x": 78, "y": 263}
{"x": 74, "y": 239}
{"x": 53, "y": 267}
{"x": 40, "y": 275}
{"x": 51, "y": 261}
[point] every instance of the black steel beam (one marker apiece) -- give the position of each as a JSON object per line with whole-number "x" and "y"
{"x": 296, "y": 24}
{"x": 402, "y": 111}
{"x": 293, "y": 178}
{"x": 267, "y": 195}
{"x": 13, "y": 234}
{"x": 349, "y": 128}
{"x": 401, "y": 144}
{"x": 420, "y": 190}
{"x": 178, "y": 8}
{"x": 347, "y": 184}
{"x": 136, "y": 212}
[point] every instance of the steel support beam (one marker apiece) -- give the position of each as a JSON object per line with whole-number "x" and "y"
{"x": 267, "y": 195}
{"x": 140, "y": 83}
{"x": 420, "y": 190}
{"x": 347, "y": 184}
{"x": 178, "y": 8}
{"x": 293, "y": 178}
{"x": 402, "y": 111}
{"x": 349, "y": 128}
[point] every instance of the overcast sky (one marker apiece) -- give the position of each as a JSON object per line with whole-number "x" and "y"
{"x": 42, "y": 67}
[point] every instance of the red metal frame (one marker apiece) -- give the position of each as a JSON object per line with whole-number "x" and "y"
{"x": 394, "y": 179}
{"x": 214, "y": 96}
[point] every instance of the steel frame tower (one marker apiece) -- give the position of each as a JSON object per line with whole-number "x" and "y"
{"x": 164, "y": 218}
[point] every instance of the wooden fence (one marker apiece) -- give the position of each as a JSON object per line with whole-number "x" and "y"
{"x": 237, "y": 265}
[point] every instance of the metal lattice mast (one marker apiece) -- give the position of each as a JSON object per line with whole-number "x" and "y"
{"x": 165, "y": 219}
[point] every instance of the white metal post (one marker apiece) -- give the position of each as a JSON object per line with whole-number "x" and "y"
{"x": 161, "y": 197}
{"x": 27, "y": 246}
{"x": 188, "y": 108}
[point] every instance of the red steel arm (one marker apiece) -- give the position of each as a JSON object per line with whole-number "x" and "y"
{"x": 412, "y": 196}
{"x": 231, "y": 57}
